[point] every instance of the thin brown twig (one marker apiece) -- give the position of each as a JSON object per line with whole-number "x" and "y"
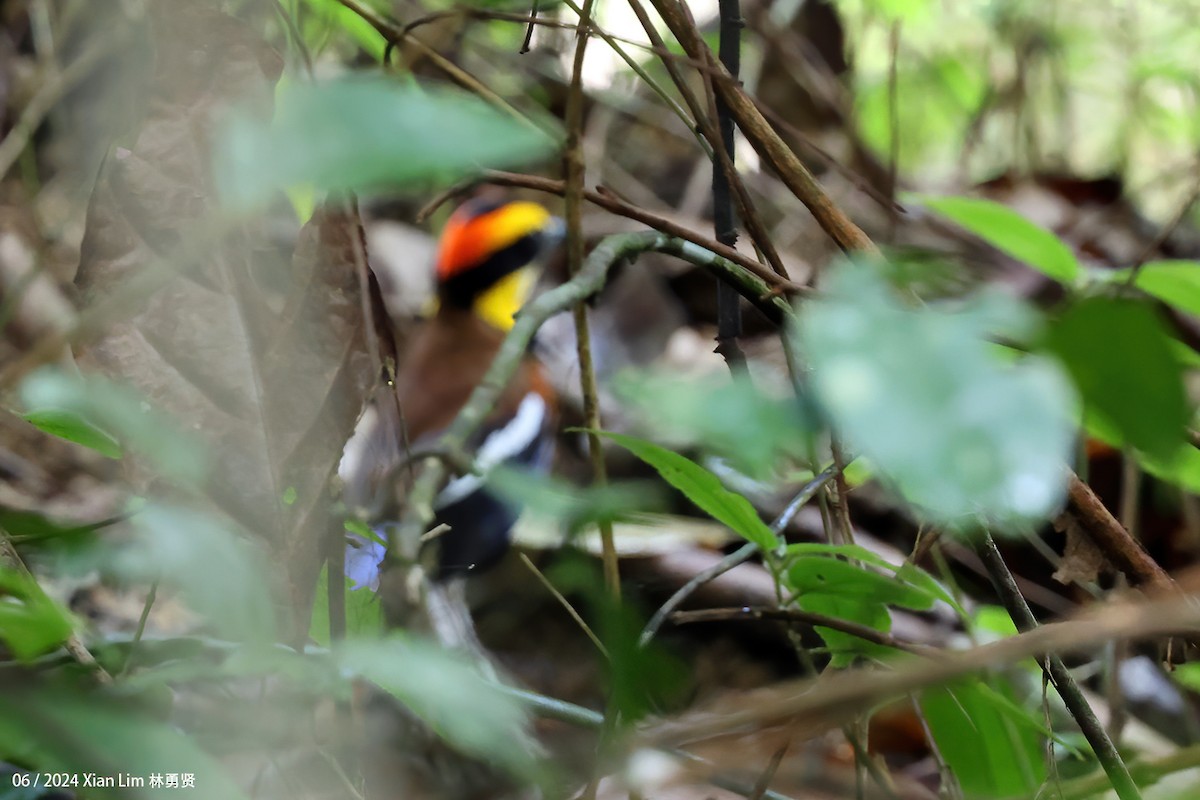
{"x": 767, "y": 142}
{"x": 795, "y": 615}
{"x": 574, "y": 168}
{"x": 1113, "y": 540}
{"x": 611, "y": 202}
{"x": 745, "y": 207}
{"x": 832, "y": 700}
{"x": 394, "y": 34}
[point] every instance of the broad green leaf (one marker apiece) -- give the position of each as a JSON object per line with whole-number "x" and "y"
{"x": 1008, "y": 231}
{"x": 702, "y": 488}
{"x": 820, "y": 575}
{"x": 364, "y": 612}
{"x": 1124, "y": 365}
{"x": 447, "y": 691}
{"x": 1176, "y": 283}
{"x": 70, "y": 425}
{"x": 368, "y": 133}
{"x": 845, "y": 647}
{"x": 908, "y": 573}
{"x": 964, "y": 436}
{"x": 1180, "y": 466}
{"x": 30, "y": 622}
{"x": 53, "y": 728}
{"x": 993, "y": 621}
{"x": 359, "y": 29}
{"x": 990, "y": 753}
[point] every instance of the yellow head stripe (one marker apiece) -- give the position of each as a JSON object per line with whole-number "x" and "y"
{"x": 499, "y": 304}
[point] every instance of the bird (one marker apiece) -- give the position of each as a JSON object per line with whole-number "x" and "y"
{"x": 488, "y": 260}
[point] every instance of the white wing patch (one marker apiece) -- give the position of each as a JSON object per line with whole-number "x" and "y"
{"x": 499, "y": 446}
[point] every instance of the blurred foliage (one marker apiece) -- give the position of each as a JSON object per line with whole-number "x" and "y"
{"x": 1013, "y": 234}
{"x": 732, "y": 419}
{"x": 983, "y": 87}
{"x": 1103, "y": 342}
{"x": 968, "y": 440}
{"x": 969, "y": 435}
{"x": 111, "y": 418}
{"x": 341, "y": 135}
{"x": 992, "y": 744}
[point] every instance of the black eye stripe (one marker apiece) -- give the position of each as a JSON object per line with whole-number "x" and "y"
{"x": 463, "y": 287}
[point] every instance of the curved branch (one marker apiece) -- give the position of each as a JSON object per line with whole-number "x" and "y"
{"x": 405, "y": 538}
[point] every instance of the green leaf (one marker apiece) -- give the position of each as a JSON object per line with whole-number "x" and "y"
{"x": 907, "y": 572}
{"x": 368, "y": 133}
{"x": 447, "y": 691}
{"x": 364, "y": 611}
{"x": 369, "y": 39}
{"x": 702, "y": 488}
{"x": 1123, "y": 362}
{"x": 844, "y": 647}
{"x": 69, "y": 425}
{"x": 990, "y": 755}
{"x": 30, "y": 622}
{"x": 967, "y": 438}
{"x": 1176, "y": 283}
{"x": 1011, "y": 233}
{"x": 820, "y": 575}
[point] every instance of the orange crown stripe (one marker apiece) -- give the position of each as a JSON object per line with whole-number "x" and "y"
{"x": 467, "y": 241}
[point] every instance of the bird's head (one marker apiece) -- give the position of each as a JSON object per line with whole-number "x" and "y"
{"x": 488, "y": 257}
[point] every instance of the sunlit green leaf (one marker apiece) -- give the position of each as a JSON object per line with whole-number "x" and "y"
{"x": 1176, "y": 283}
{"x": 1180, "y": 466}
{"x": 71, "y": 426}
{"x": 965, "y": 437}
{"x": 702, "y": 488}
{"x": 1123, "y": 362}
{"x": 30, "y": 622}
{"x": 820, "y": 575}
{"x": 368, "y": 133}
{"x": 447, "y": 691}
{"x": 845, "y": 647}
{"x": 1011, "y": 233}
{"x": 359, "y": 29}
{"x": 990, "y": 753}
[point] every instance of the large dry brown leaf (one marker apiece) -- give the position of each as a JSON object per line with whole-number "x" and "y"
{"x": 267, "y": 364}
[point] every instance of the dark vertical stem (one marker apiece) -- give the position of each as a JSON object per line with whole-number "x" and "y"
{"x": 1106, "y": 752}
{"x": 729, "y": 314}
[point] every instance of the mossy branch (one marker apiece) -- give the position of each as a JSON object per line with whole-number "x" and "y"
{"x": 419, "y": 513}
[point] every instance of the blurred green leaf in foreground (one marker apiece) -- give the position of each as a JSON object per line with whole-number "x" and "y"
{"x": 964, "y": 437}
{"x": 361, "y": 133}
